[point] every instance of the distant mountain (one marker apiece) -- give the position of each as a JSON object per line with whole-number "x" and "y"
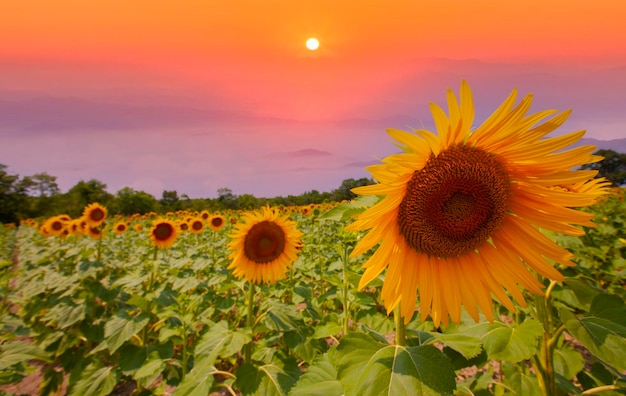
{"x": 618, "y": 145}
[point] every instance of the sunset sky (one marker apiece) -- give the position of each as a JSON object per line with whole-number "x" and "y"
{"x": 197, "y": 95}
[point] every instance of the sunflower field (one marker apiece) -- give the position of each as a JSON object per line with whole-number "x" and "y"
{"x": 111, "y": 313}
{"x": 484, "y": 261}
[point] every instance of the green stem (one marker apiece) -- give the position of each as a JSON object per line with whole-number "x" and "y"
{"x": 100, "y": 245}
{"x": 599, "y": 389}
{"x": 346, "y": 285}
{"x": 250, "y": 323}
{"x": 185, "y": 352}
{"x": 544, "y": 362}
{"x": 400, "y": 328}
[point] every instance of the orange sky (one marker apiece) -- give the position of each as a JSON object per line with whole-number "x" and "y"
{"x": 234, "y": 60}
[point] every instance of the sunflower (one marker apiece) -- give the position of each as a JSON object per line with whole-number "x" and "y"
{"x": 94, "y": 232}
{"x": 56, "y": 225}
{"x": 217, "y": 222}
{"x": 163, "y": 233}
{"x": 263, "y": 246}
{"x": 196, "y": 225}
{"x": 462, "y": 209}
{"x": 94, "y": 214}
{"x": 120, "y": 227}
{"x": 182, "y": 225}
{"x": 205, "y": 215}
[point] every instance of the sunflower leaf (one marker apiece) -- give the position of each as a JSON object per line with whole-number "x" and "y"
{"x": 121, "y": 328}
{"x": 367, "y": 367}
{"x": 515, "y": 343}
{"x": 347, "y": 210}
{"x": 467, "y": 346}
{"x": 221, "y": 341}
{"x": 96, "y": 381}
{"x": 320, "y": 378}
{"x": 604, "y": 338}
{"x": 268, "y": 379}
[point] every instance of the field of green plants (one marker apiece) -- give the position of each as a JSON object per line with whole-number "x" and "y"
{"x": 99, "y": 317}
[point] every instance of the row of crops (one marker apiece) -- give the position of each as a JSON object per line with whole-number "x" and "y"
{"x": 109, "y": 313}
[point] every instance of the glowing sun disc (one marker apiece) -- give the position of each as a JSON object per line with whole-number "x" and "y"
{"x": 312, "y": 44}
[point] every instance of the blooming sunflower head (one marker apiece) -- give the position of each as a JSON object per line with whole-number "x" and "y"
{"x": 264, "y": 245}
{"x": 196, "y": 225}
{"x": 461, "y": 213}
{"x": 56, "y": 225}
{"x": 120, "y": 227}
{"x": 217, "y": 222}
{"x": 94, "y": 214}
{"x": 163, "y": 233}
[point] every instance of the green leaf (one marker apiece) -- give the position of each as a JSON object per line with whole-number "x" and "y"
{"x": 576, "y": 293}
{"x": 266, "y": 380}
{"x": 515, "y": 343}
{"x": 465, "y": 345}
{"x": 198, "y": 382}
{"x": 95, "y": 381}
{"x": 19, "y": 351}
{"x": 567, "y": 361}
{"x": 367, "y": 367}
{"x": 280, "y": 316}
{"x": 65, "y": 315}
{"x": 221, "y": 341}
{"x": 121, "y": 328}
{"x": 609, "y": 306}
{"x": 524, "y": 384}
{"x": 150, "y": 370}
{"x": 327, "y": 330}
{"x": 319, "y": 379}
{"x": 603, "y": 338}
{"x": 346, "y": 210}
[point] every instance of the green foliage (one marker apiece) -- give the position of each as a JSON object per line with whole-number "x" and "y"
{"x": 179, "y": 321}
{"x": 613, "y": 166}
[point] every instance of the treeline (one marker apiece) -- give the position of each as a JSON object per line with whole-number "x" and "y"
{"x": 39, "y": 196}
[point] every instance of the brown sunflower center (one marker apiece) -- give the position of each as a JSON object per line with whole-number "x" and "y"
{"x": 455, "y": 202}
{"x": 57, "y": 225}
{"x": 196, "y": 225}
{"x": 96, "y": 214}
{"x": 264, "y": 242}
{"x": 217, "y": 221}
{"x": 163, "y": 231}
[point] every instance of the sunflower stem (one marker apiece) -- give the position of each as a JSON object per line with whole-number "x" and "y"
{"x": 545, "y": 359}
{"x": 346, "y": 301}
{"x": 250, "y": 323}
{"x": 99, "y": 246}
{"x": 400, "y": 328}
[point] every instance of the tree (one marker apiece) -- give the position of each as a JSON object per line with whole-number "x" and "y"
{"x": 226, "y": 197}
{"x": 613, "y": 166}
{"x": 170, "y": 201}
{"x": 13, "y": 197}
{"x": 129, "y": 201}
{"x": 343, "y": 192}
{"x": 84, "y": 193}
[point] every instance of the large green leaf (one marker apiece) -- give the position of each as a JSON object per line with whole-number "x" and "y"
{"x": 603, "y": 338}
{"x": 367, "y": 367}
{"x": 465, "y": 345}
{"x": 19, "y": 351}
{"x": 221, "y": 341}
{"x": 198, "y": 382}
{"x": 567, "y": 361}
{"x": 319, "y": 379}
{"x": 95, "y": 381}
{"x": 266, "y": 380}
{"x": 513, "y": 343}
{"x": 121, "y": 328}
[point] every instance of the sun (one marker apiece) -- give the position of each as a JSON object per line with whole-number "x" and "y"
{"x": 312, "y": 44}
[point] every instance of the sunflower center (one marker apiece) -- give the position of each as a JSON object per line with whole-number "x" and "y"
{"x": 163, "y": 231}
{"x": 217, "y": 221}
{"x": 455, "y": 202}
{"x": 264, "y": 242}
{"x": 97, "y": 214}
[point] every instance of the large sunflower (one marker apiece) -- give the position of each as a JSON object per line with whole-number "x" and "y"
{"x": 163, "y": 233}
{"x": 263, "y": 246}
{"x": 94, "y": 214}
{"x": 462, "y": 210}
